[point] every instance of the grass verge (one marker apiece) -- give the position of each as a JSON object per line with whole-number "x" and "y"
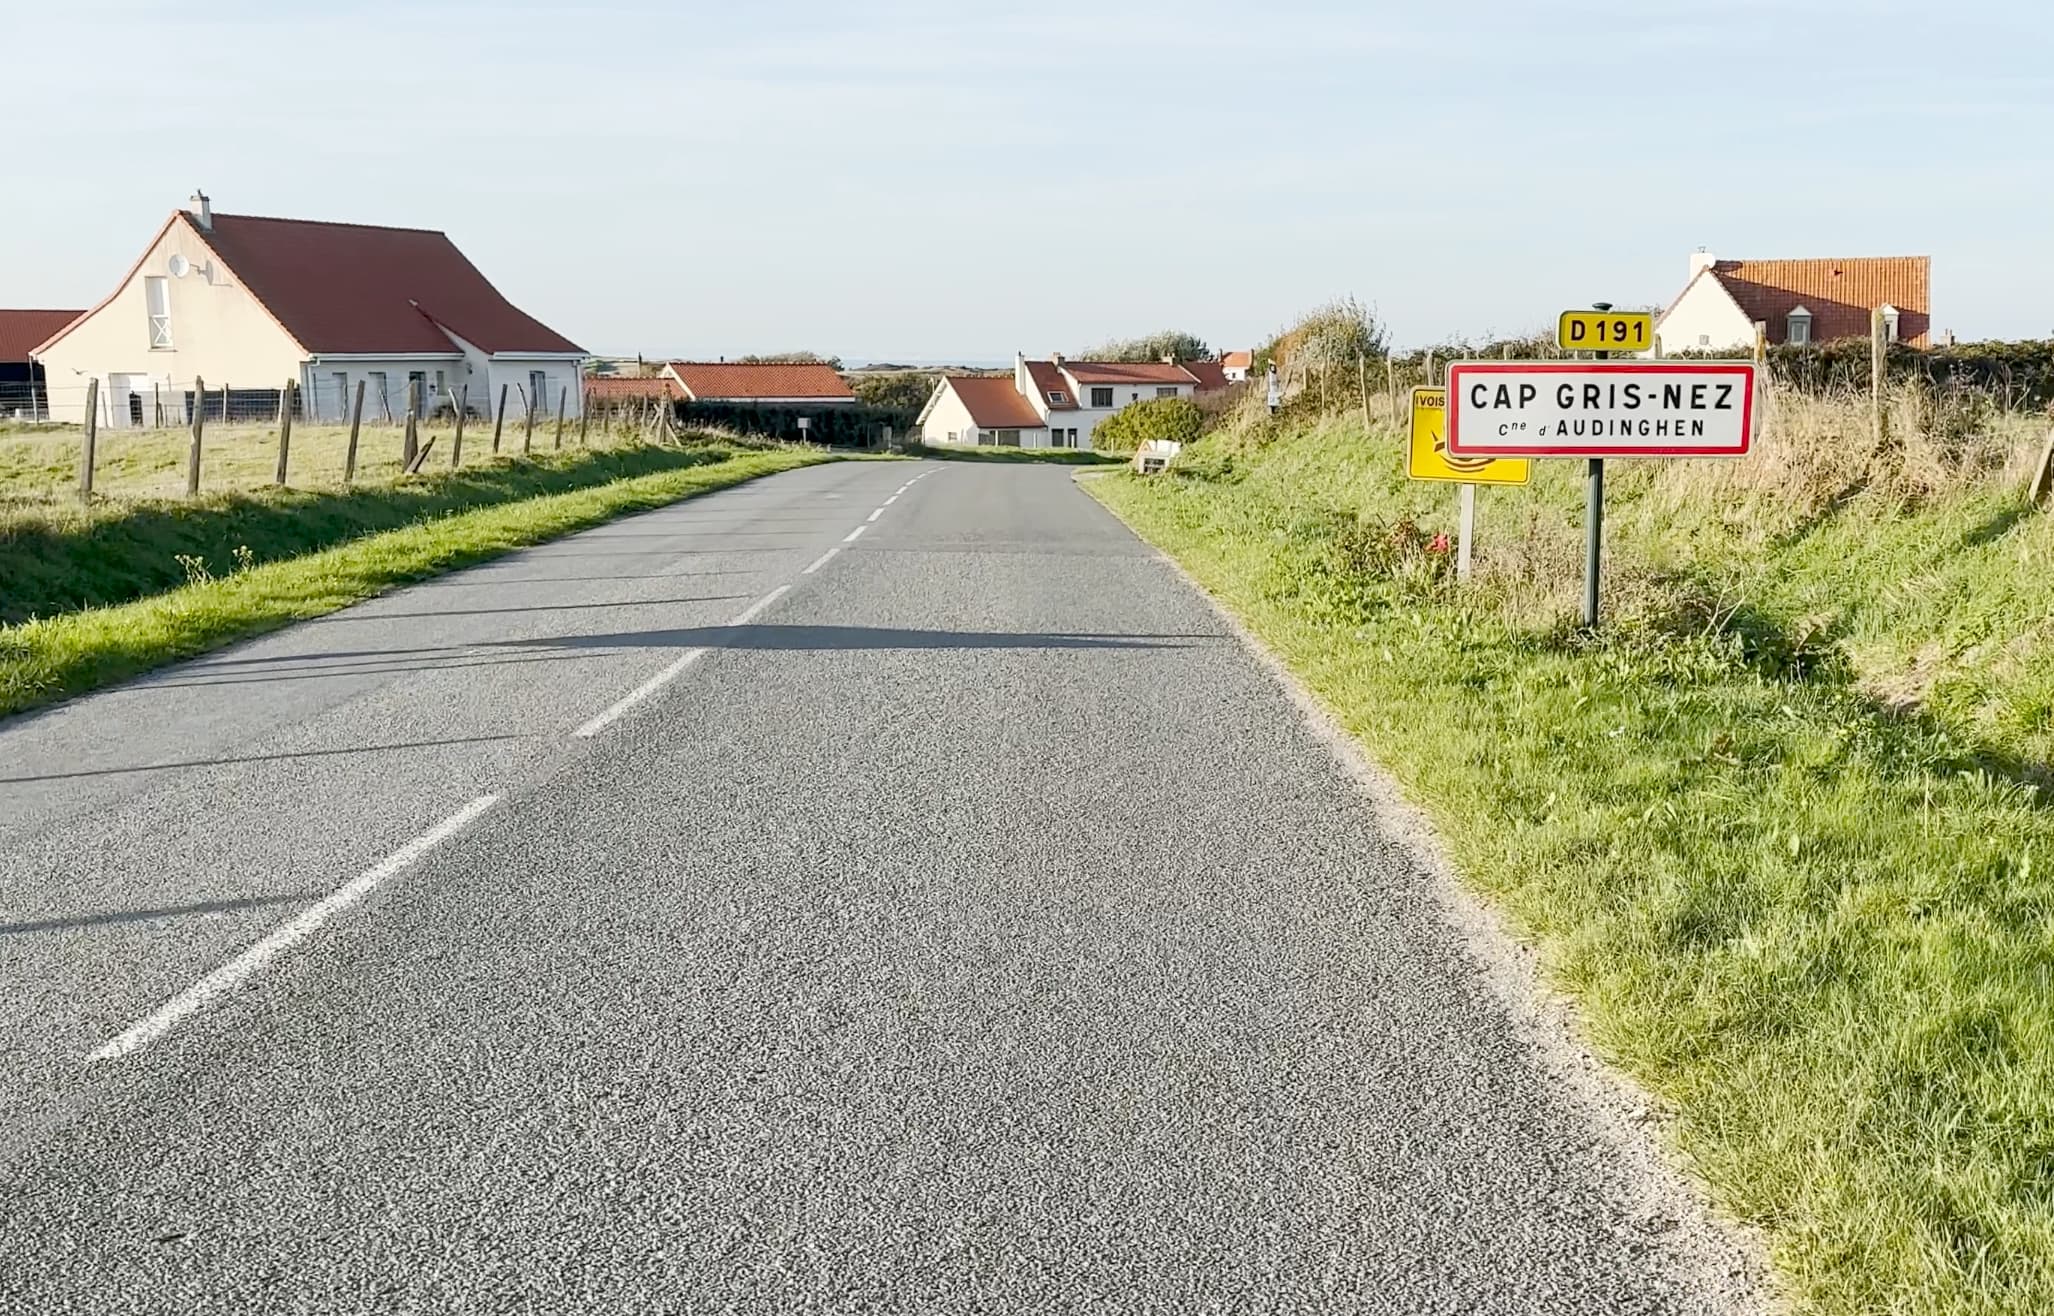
{"x": 1818, "y": 923}
{"x": 45, "y": 660}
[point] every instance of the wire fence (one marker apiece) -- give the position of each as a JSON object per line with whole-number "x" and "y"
{"x": 167, "y": 439}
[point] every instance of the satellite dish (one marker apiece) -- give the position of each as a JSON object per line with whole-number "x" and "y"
{"x": 179, "y": 266}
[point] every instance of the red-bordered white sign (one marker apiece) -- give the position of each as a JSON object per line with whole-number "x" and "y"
{"x": 1601, "y": 408}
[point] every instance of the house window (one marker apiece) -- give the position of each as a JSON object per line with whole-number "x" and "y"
{"x": 441, "y": 384}
{"x": 1798, "y": 328}
{"x": 379, "y": 391}
{"x": 1058, "y": 397}
{"x": 1101, "y": 397}
{"x": 952, "y": 436}
{"x": 417, "y": 390}
{"x": 1009, "y": 438}
{"x": 340, "y": 382}
{"x": 538, "y": 390}
{"x": 157, "y": 292}
{"x": 1168, "y": 391}
{"x": 1055, "y": 438}
{"x": 1889, "y": 324}
{"x": 1704, "y": 340}
{"x": 1073, "y": 438}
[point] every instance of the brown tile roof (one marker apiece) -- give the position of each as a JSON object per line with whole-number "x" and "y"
{"x": 1211, "y": 375}
{"x": 1126, "y": 372}
{"x": 1245, "y": 360}
{"x": 632, "y": 388}
{"x": 734, "y": 381}
{"x": 1049, "y": 380}
{"x": 360, "y": 288}
{"x": 22, "y": 332}
{"x": 994, "y": 403}
{"x": 1840, "y": 294}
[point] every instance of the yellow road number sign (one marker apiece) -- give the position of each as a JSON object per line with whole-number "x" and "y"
{"x": 1605, "y": 331}
{"x": 1430, "y": 459}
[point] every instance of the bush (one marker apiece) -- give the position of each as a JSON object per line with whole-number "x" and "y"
{"x": 1179, "y": 420}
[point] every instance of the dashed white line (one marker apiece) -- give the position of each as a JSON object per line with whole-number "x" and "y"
{"x": 855, "y": 534}
{"x": 670, "y": 673}
{"x": 894, "y": 498}
{"x": 295, "y": 930}
{"x": 822, "y": 560}
{"x": 874, "y": 515}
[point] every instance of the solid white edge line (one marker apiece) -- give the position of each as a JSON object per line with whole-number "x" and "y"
{"x": 855, "y": 534}
{"x": 670, "y": 673}
{"x": 822, "y": 560}
{"x": 288, "y": 934}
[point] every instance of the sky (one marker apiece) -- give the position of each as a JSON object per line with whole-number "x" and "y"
{"x": 904, "y": 180}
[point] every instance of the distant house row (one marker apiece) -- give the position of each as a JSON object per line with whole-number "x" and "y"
{"x": 755, "y": 383}
{"x": 1797, "y": 302}
{"x": 1057, "y": 403}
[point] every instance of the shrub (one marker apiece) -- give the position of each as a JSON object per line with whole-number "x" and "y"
{"x": 1179, "y": 420}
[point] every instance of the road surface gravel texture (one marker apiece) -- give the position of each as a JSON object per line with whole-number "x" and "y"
{"x": 730, "y": 909}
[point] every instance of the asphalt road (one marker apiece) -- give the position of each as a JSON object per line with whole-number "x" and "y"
{"x": 972, "y": 926}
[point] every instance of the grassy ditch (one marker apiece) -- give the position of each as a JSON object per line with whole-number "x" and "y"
{"x": 451, "y": 522}
{"x": 1783, "y": 826}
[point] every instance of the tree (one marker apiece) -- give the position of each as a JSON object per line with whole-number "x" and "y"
{"x": 1180, "y": 420}
{"x": 790, "y": 358}
{"x": 1172, "y": 343}
{"x": 1328, "y": 338}
{"x": 908, "y": 388}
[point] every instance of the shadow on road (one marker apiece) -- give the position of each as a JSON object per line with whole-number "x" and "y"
{"x": 118, "y": 916}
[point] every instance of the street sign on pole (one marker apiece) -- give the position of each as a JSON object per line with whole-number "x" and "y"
{"x": 1429, "y": 458}
{"x": 1605, "y": 331}
{"x": 1601, "y": 408}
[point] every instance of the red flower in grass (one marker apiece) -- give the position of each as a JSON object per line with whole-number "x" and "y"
{"x": 1438, "y": 544}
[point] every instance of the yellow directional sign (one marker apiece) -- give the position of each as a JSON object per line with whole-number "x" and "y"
{"x": 1430, "y": 459}
{"x": 1606, "y": 331}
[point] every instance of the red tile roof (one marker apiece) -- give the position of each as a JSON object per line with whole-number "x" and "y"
{"x": 994, "y": 403}
{"x": 1049, "y": 380}
{"x": 22, "y": 332}
{"x": 1840, "y": 294}
{"x": 1245, "y": 360}
{"x": 1211, "y": 375}
{"x": 360, "y": 288}
{"x": 734, "y": 381}
{"x": 1127, "y": 372}
{"x": 632, "y": 388}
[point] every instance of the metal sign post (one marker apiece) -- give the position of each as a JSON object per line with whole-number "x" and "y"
{"x": 1593, "y": 516}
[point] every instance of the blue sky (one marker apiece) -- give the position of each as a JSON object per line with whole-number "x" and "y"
{"x": 911, "y": 180}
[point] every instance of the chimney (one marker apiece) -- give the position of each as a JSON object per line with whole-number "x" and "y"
{"x": 1056, "y": 358}
{"x": 203, "y": 211}
{"x": 1700, "y": 260}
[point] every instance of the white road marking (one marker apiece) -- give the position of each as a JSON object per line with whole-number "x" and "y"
{"x": 894, "y": 498}
{"x": 855, "y": 534}
{"x": 874, "y": 515}
{"x": 670, "y": 673}
{"x": 822, "y": 560}
{"x": 295, "y": 930}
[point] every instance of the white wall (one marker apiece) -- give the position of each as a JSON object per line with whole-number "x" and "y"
{"x": 219, "y": 332}
{"x": 1087, "y": 418}
{"x": 948, "y": 416}
{"x": 514, "y": 370}
{"x": 1704, "y": 319}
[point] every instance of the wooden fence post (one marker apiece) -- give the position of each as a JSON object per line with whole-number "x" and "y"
{"x": 92, "y": 435}
{"x": 156, "y": 406}
{"x": 456, "y": 443}
{"x": 563, "y": 400}
{"x": 410, "y": 446}
{"x": 499, "y": 419}
{"x": 285, "y": 410}
{"x": 584, "y": 414}
{"x": 2041, "y": 483}
{"x": 1878, "y": 354}
{"x": 192, "y": 459}
{"x": 356, "y": 418}
{"x": 1429, "y": 367}
{"x": 1761, "y": 343}
{"x": 1391, "y": 383}
{"x": 528, "y": 405}
{"x": 1362, "y": 385}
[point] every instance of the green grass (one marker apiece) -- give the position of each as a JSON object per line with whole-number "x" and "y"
{"x": 1782, "y": 827}
{"x": 1047, "y": 456}
{"x": 443, "y": 524}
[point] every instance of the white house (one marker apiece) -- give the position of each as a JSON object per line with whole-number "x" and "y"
{"x": 1796, "y": 302}
{"x": 1236, "y": 366}
{"x": 247, "y": 304}
{"x": 1055, "y": 403}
